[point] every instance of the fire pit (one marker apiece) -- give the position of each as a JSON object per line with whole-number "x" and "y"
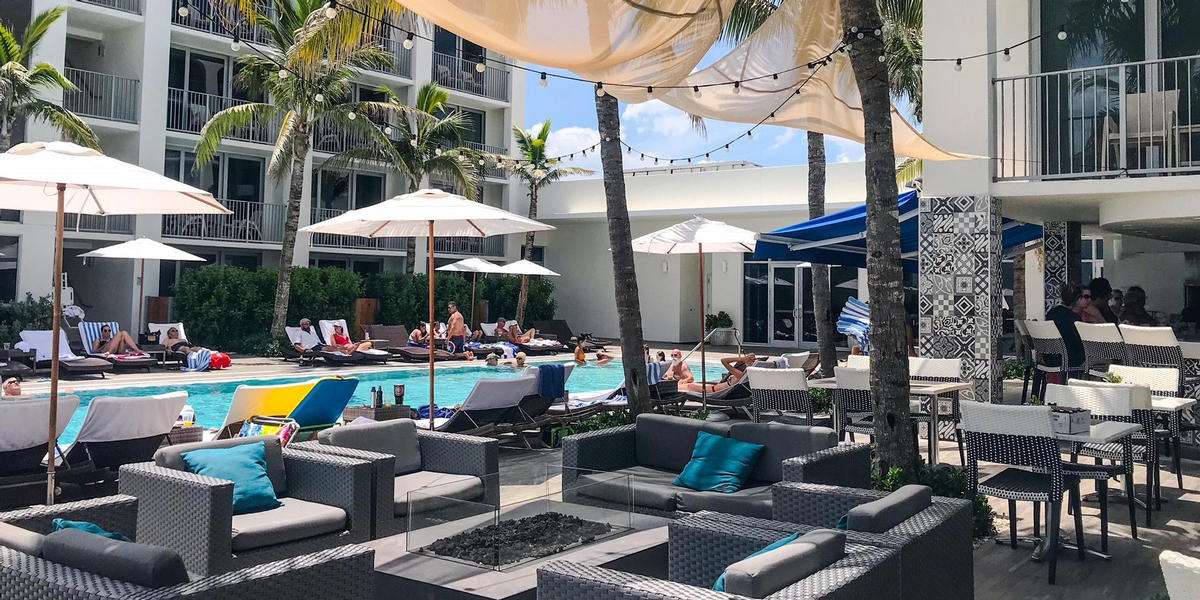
{"x": 516, "y": 540}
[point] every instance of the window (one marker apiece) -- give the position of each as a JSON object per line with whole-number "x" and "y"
{"x": 242, "y": 261}
{"x": 368, "y": 189}
{"x": 245, "y": 179}
{"x": 343, "y": 191}
{"x": 473, "y": 130}
{"x": 324, "y": 263}
{"x": 538, "y": 256}
{"x": 206, "y": 74}
{"x": 754, "y": 302}
{"x": 1177, "y": 28}
{"x": 367, "y": 267}
{"x": 1091, "y": 254}
{"x": 243, "y": 175}
{"x": 449, "y": 44}
{"x": 1099, "y": 33}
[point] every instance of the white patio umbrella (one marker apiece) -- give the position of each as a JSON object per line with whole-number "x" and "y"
{"x": 432, "y": 213}
{"x": 474, "y": 266}
{"x": 698, "y": 236}
{"x": 141, "y": 249}
{"x": 37, "y": 176}
{"x": 527, "y": 267}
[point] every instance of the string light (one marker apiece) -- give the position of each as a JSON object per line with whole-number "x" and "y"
{"x": 283, "y": 73}
{"x": 1007, "y": 55}
{"x": 1062, "y": 32}
{"x": 408, "y": 41}
{"x": 958, "y": 65}
{"x": 696, "y": 90}
{"x": 331, "y": 9}
{"x": 387, "y": 130}
{"x": 543, "y": 82}
{"x": 750, "y": 134}
{"x": 737, "y": 87}
{"x": 183, "y": 11}
{"x": 237, "y": 43}
{"x": 351, "y": 115}
{"x": 649, "y": 91}
{"x": 319, "y": 97}
{"x": 599, "y": 89}
{"x": 480, "y": 67}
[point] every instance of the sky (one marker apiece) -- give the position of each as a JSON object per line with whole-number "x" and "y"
{"x": 657, "y": 128}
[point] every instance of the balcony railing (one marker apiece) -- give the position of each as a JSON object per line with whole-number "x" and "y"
{"x": 119, "y": 224}
{"x": 189, "y": 111}
{"x": 256, "y": 222}
{"x": 129, "y": 6}
{"x": 1138, "y": 118}
{"x": 102, "y": 95}
{"x": 473, "y": 246}
{"x": 460, "y": 73}
{"x": 220, "y": 20}
{"x": 401, "y": 63}
{"x": 329, "y": 240}
{"x": 490, "y": 172}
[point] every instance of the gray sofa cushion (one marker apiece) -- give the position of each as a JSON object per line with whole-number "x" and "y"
{"x": 397, "y": 437}
{"x": 141, "y": 564}
{"x": 781, "y": 441}
{"x": 21, "y": 539}
{"x": 171, "y": 457}
{"x": 885, "y": 513}
{"x": 652, "y": 488}
{"x": 435, "y": 488}
{"x": 751, "y": 501}
{"x": 763, "y": 575}
{"x": 295, "y": 520}
{"x": 666, "y": 442}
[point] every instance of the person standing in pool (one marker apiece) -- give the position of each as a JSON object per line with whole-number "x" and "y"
{"x": 456, "y": 330}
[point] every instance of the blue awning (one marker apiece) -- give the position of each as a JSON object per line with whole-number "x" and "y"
{"x": 840, "y": 238}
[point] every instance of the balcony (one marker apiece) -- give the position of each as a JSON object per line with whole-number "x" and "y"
{"x": 102, "y": 95}
{"x": 471, "y": 246}
{"x": 459, "y": 73}
{"x": 189, "y": 111}
{"x": 490, "y": 172}
{"x": 329, "y": 240}
{"x": 401, "y": 64}
{"x": 116, "y": 224}
{"x": 1131, "y": 119}
{"x": 253, "y": 222}
{"x": 129, "y": 6}
{"x": 203, "y": 16}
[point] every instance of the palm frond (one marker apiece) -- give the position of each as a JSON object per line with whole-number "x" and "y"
{"x": 745, "y": 18}
{"x": 38, "y": 27}
{"x": 909, "y": 172}
{"x": 285, "y": 147}
{"x": 74, "y": 128}
{"x": 223, "y": 123}
{"x": 44, "y": 75}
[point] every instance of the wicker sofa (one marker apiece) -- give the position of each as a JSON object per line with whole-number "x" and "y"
{"x": 701, "y": 547}
{"x": 462, "y": 466}
{"x": 343, "y": 573}
{"x": 654, "y": 450}
{"x": 326, "y": 503}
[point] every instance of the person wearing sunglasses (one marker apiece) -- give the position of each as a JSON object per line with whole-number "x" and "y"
{"x": 1075, "y": 299}
{"x": 1098, "y": 311}
{"x": 109, "y": 343}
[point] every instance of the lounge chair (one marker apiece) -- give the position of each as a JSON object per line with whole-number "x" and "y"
{"x": 563, "y": 332}
{"x": 161, "y": 329}
{"x": 9, "y": 368}
{"x": 372, "y": 355}
{"x": 533, "y": 410}
{"x": 416, "y": 354}
{"x": 122, "y": 430}
{"x": 89, "y": 332}
{"x": 315, "y": 404}
{"x": 495, "y": 406}
{"x": 23, "y": 441}
{"x": 307, "y": 357}
{"x": 396, "y": 336}
{"x": 69, "y": 364}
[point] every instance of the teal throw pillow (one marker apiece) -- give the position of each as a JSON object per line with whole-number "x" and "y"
{"x": 245, "y": 466}
{"x": 720, "y": 584}
{"x": 85, "y": 526}
{"x": 719, "y": 464}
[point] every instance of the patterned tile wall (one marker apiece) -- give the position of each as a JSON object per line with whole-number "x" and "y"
{"x": 1055, "y": 250}
{"x": 959, "y": 297}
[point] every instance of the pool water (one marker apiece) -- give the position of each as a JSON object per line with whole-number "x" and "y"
{"x": 452, "y": 385}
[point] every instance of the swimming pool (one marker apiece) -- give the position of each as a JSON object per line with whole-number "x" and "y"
{"x": 211, "y": 400}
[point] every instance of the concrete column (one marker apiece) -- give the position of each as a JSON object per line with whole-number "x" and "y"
{"x": 959, "y": 297}
{"x": 1054, "y": 261}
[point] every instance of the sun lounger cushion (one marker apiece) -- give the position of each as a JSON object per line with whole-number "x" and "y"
{"x": 761, "y": 575}
{"x": 781, "y": 441}
{"x": 245, "y": 466}
{"x": 397, "y": 437}
{"x": 751, "y": 501}
{"x": 293, "y": 520}
{"x": 21, "y": 539}
{"x": 436, "y": 490}
{"x": 666, "y": 442}
{"x": 652, "y": 488}
{"x": 887, "y": 512}
{"x": 171, "y": 457}
{"x": 141, "y": 564}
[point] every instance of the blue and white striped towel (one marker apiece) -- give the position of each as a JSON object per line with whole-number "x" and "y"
{"x": 653, "y": 373}
{"x": 198, "y": 360}
{"x": 89, "y": 332}
{"x": 855, "y": 320}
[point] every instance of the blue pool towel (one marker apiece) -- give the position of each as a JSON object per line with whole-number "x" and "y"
{"x": 440, "y": 412}
{"x": 198, "y": 360}
{"x": 653, "y": 373}
{"x": 552, "y": 380}
{"x": 855, "y": 320}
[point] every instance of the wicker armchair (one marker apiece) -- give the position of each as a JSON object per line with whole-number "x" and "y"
{"x": 935, "y": 544}
{"x": 193, "y": 514}
{"x": 441, "y": 453}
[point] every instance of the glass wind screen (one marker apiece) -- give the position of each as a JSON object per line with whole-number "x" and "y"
{"x": 754, "y": 302}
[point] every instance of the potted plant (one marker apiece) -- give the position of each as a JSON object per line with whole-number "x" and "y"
{"x": 723, "y": 321}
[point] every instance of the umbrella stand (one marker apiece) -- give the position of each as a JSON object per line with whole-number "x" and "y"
{"x": 141, "y": 295}
{"x": 56, "y": 328}
{"x": 471, "y": 319}
{"x": 432, "y": 329}
{"x": 703, "y": 373}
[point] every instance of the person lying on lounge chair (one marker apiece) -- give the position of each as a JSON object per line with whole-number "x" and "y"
{"x": 476, "y": 336}
{"x": 418, "y": 338}
{"x": 736, "y": 367}
{"x": 174, "y": 343}
{"x": 679, "y": 370}
{"x": 340, "y": 342}
{"x": 515, "y": 336}
{"x": 309, "y": 340}
{"x": 108, "y": 343}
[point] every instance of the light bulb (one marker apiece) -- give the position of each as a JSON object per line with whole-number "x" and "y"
{"x": 283, "y": 73}
{"x": 437, "y": 151}
{"x": 183, "y": 10}
{"x": 861, "y": 35}
{"x": 696, "y": 90}
{"x": 319, "y": 97}
{"x": 649, "y": 91}
{"x": 849, "y": 47}
{"x": 539, "y": 173}
{"x": 1062, "y": 32}
{"x": 350, "y": 115}
{"x": 387, "y": 131}
{"x": 236, "y": 45}
{"x": 482, "y": 162}
{"x": 412, "y": 142}
{"x": 331, "y": 10}
{"x": 543, "y": 82}
{"x": 1007, "y": 55}
{"x": 599, "y": 90}
{"x": 737, "y": 87}
{"x": 772, "y": 117}
{"x": 408, "y": 41}
{"x": 750, "y": 134}
{"x": 854, "y": 30}
{"x": 877, "y": 32}
{"x": 958, "y": 64}
{"x": 882, "y": 58}
{"x": 480, "y": 67}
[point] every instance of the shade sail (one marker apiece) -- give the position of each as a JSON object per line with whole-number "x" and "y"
{"x": 696, "y": 235}
{"x": 95, "y": 184}
{"x": 143, "y": 248}
{"x": 527, "y": 267}
{"x": 840, "y": 238}
{"x": 471, "y": 265}
{"x": 410, "y": 214}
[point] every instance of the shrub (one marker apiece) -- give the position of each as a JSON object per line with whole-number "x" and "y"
{"x": 19, "y": 315}
{"x": 947, "y": 481}
{"x": 225, "y": 307}
{"x": 822, "y": 399}
{"x": 719, "y": 320}
{"x": 324, "y": 293}
{"x": 1014, "y": 368}
{"x": 502, "y": 293}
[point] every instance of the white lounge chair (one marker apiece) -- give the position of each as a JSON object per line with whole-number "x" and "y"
{"x": 122, "y": 430}
{"x": 23, "y": 440}
{"x": 374, "y": 354}
{"x": 40, "y": 342}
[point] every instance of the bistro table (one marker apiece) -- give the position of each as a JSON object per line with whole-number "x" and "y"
{"x": 933, "y": 390}
{"x": 1172, "y": 407}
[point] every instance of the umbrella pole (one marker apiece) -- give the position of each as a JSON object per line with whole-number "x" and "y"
{"x": 141, "y": 295}
{"x": 432, "y": 328}
{"x": 54, "y": 346}
{"x": 471, "y": 321}
{"x": 703, "y": 374}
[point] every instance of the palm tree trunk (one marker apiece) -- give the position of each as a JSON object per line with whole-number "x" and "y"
{"x": 885, "y": 276}
{"x": 527, "y": 255}
{"x": 410, "y": 244}
{"x": 826, "y": 345}
{"x": 629, "y": 310}
{"x": 6, "y": 127}
{"x": 283, "y": 288}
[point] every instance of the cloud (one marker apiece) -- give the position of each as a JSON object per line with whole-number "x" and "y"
{"x": 658, "y": 117}
{"x": 843, "y": 150}
{"x": 782, "y": 139}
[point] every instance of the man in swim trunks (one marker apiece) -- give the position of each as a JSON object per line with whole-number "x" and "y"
{"x": 456, "y": 330}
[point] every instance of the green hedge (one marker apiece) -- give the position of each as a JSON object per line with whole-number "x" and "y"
{"x": 19, "y": 315}
{"x": 227, "y": 308}
{"x": 503, "y": 292}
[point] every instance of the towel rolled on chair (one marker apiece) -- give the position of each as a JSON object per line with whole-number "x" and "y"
{"x": 552, "y": 381}
{"x": 855, "y": 320}
{"x": 199, "y": 360}
{"x": 653, "y": 373}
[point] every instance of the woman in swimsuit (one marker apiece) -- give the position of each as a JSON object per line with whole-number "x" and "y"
{"x": 114, "y": 344}
{"x": 340, "y": 341}
{"x": 417, "y": 338}
{"x": 736, "y": 367}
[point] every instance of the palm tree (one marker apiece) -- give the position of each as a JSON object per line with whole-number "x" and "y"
{"x": 536, "y": 170}
{"x": 885, "y": 276}
{"x": 427, "y": 142}
{"x": 301, "y": 95}
{"x": 20, "y": 85}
